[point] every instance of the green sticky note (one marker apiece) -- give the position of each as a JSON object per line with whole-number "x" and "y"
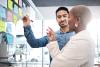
{"x": 15, "y": 19}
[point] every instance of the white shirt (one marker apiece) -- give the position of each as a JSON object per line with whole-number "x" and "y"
{"x": 78, "y": 52}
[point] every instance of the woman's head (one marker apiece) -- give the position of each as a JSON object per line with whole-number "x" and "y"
{"x": 79, "y": 17}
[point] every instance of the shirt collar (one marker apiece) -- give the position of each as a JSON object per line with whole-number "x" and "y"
{"x": 60, "y": 32}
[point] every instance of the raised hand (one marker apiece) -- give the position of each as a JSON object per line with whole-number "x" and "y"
{"x": 26, "y": 21}
{"x": 51, "y": 34}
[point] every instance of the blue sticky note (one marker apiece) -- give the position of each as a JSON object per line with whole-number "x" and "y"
{"x": 9, "y": 28}
{"x": 10, "y": 39}
{"x": 2, "y": 12}
{"x": 15, "y": 8}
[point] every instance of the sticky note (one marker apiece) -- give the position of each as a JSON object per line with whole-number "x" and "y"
{"x": 2, "y": 12}
{"x": 9, "y": 16}
{"x": 15, "y": 19}
{"x": 15, "y": 9}
{"x": 10, "y": 39}
{"x": 9, "y": 28}
{"x": 2, "y": 26}
{"x": 20, "y": 12}
{"x": 10, "y": 4}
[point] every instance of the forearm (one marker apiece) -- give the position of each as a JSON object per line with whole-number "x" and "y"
{"x": 33, "y": 42}
{"x": 53, "y": 48}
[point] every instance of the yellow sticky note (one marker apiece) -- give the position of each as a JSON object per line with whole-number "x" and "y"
{"x": 20, "y": 12}
{"x": 16, "y": 1}
{"x": 10, "y": 4}
{"x": 2, "y": 26}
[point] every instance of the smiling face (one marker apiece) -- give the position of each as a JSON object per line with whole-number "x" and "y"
{"x": 62, "y": 18}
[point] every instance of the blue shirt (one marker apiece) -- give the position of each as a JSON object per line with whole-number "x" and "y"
{"x": 61, "y": 37}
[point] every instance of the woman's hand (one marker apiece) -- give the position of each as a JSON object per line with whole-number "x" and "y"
{"x": 51, "y": 34}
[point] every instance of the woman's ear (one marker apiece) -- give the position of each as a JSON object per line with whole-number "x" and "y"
{"x": 76, "y": 25}
{"x": 77, "y": 21}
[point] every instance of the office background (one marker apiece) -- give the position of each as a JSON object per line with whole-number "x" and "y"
{"x": 14, "y": 49}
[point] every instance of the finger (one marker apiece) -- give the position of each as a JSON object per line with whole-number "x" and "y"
{"x": 50, "y": 29}
{"x": 48, "y": 34}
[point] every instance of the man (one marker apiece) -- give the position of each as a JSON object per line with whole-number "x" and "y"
{"x": 79, "y": 51}
{"x": 62, "y": 36}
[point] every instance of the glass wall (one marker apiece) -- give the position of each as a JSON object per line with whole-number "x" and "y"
{"x": 14, "y": 49}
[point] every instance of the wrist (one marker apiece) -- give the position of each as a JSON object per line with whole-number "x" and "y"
{"x": 51, "y": 40}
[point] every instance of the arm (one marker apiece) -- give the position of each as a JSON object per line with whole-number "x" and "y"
{"x": 72, "y": 55}
{"x": 54, "y": 50}
{"x": 33, "y": 42}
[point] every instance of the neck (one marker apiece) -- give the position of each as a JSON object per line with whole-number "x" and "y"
{"x": 81, "y": 28}
{"x": 64, "y": 29}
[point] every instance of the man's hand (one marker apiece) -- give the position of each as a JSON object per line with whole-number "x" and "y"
{"x": 51, "y": 34}
{"x": 26, "y": 21}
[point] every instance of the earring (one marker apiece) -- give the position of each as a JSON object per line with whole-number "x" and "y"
{"x": 76, "y": 25}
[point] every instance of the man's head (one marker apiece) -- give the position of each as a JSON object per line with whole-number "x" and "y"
{"x": 79, "y": 16}
{"x": 62, "y": 16}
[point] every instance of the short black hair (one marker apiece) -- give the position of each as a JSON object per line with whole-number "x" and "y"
{"x": 62, "y": 8}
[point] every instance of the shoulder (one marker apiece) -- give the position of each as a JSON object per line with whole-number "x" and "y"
{"x": 82, "y": 35}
